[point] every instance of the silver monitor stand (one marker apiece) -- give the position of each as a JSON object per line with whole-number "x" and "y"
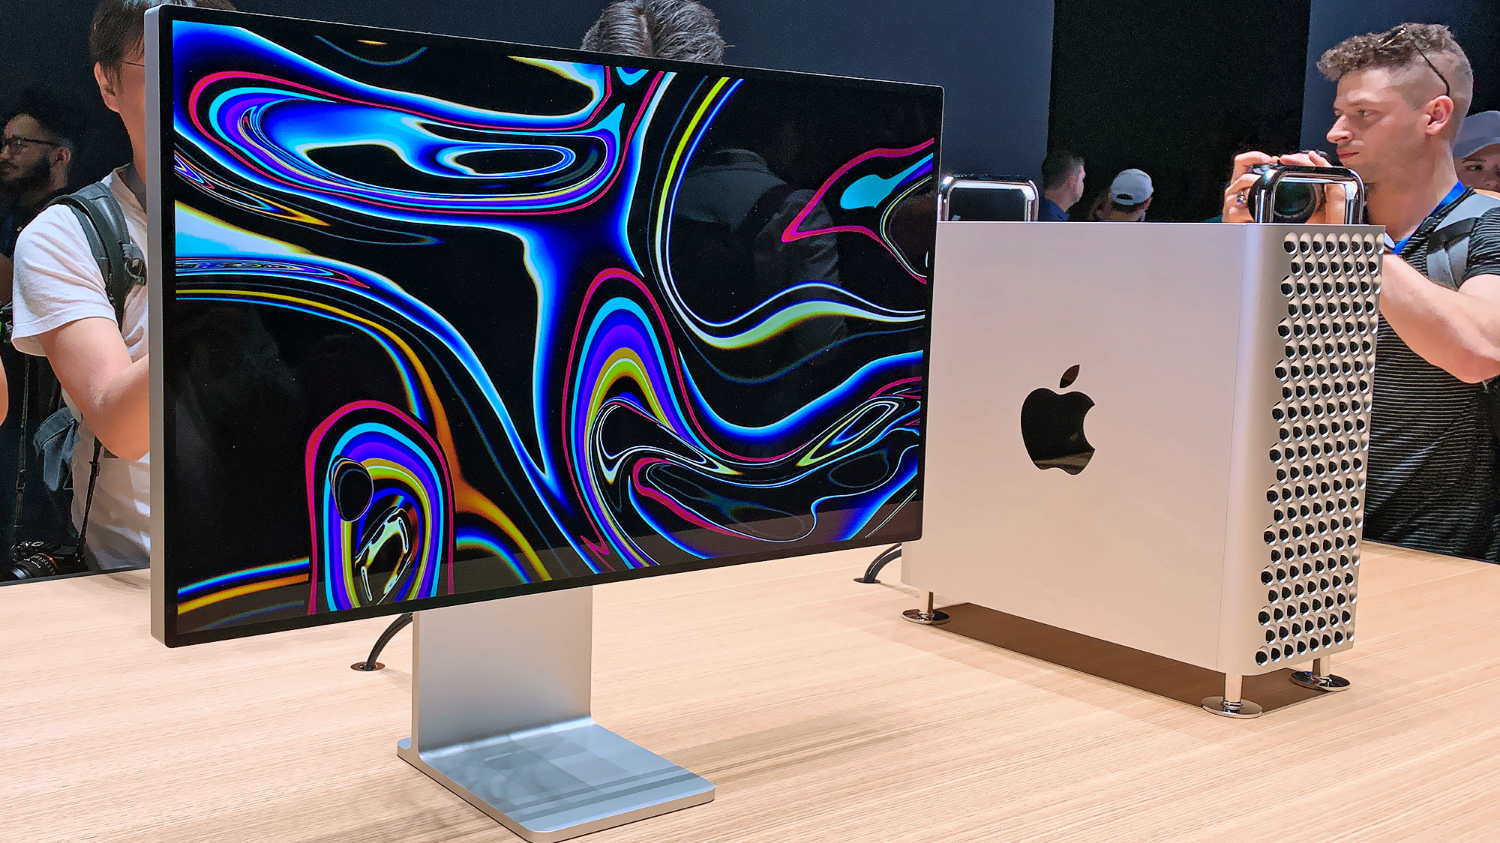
{"x": 500, "y": 716}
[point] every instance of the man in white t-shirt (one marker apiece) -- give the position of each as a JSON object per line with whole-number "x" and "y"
{"x": 63, "y": 312}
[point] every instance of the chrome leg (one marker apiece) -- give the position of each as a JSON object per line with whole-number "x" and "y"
{"x": 1321, "y": 677}
{"x": 930, "y": 617}
{"x": 1231, "y": 704}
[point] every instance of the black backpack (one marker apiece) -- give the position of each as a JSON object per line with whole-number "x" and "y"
{"x": 51, "y": 447}
{"x": 1448, "y": 259}
{"x": 1448, "y": 246}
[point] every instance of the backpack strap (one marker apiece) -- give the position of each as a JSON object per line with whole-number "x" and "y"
{"x": 1448, "y": 245}
{"x": 1448, "y": 261}
{"x": 119, "y": 258}
{"x": 123, "y": 267}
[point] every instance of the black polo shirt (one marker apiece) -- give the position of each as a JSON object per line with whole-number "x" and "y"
{"x": 1433, "y": 458}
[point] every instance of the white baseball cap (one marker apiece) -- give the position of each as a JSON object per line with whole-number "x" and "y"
{"x": 1130, "y": 187}
{"x": 1479, "y": 131}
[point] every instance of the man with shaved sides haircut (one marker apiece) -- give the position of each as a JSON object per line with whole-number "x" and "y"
{"x": 1402, "y": 97}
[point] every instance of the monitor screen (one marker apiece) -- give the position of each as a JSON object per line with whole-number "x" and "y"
{"x": 440, "y": 320}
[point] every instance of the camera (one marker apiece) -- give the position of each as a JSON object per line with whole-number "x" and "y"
{"x": 35, "y": 560}
{"x": 1295, "y": 201}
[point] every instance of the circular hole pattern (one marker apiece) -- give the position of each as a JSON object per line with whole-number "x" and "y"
{"x": 1321, "y": 423}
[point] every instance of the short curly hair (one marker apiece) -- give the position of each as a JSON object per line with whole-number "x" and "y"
{"x": 668, "y": 29}
{"x": 1401, "y": 50}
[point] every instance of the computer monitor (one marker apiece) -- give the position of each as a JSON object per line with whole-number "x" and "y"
{"x": 439, "y": 320}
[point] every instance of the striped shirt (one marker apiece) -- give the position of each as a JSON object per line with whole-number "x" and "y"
{"x": 1433, "y": 454}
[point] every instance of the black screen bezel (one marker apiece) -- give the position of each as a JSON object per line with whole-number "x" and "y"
{"x": 165, "y": 17}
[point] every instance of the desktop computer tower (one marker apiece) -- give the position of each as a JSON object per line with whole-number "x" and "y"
{"x": 1153, "y": 435}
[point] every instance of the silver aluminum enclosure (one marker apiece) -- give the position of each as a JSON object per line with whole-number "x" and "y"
{"x": 1218, "y": 522}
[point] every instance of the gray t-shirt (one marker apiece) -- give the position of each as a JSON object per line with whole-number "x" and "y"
{"x": 1433, "y": 456}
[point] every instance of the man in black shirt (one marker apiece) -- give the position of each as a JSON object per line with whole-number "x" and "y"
{"x": 40, "y": 138}
{"x": 41, "y": 132}
{"x": 1433, "y": 460}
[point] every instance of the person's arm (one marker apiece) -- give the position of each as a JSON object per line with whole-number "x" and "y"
{"x": 110, "y": 390}
{"x": 63, "y": 311}
{"x": 1456, "y": 330}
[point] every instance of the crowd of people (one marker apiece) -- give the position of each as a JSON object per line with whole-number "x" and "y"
{"x": 1063, "y": 173}
{"x": 1476, "y": 157}
{"x": 1399, "y": 122}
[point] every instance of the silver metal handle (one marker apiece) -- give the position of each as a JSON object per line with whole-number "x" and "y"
{"x": 1354, "y": 189}
{"x": 1025, "y": 187}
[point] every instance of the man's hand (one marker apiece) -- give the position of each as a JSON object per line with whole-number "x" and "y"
{"x": 1237, "y": 194}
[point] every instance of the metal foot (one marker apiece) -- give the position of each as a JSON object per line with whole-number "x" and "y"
{"x": 1321, "y": 677}
{"x": 930, "y": 617}
{"x": 1231, "y": 704}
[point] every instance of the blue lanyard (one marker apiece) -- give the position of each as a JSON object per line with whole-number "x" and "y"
{"x": 1457, "y": 191}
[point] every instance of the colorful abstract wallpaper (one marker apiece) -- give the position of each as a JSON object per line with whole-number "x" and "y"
{"x": 453, "y": 319}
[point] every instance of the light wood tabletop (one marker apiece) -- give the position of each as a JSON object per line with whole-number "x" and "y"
{"x": 816, "y": 710}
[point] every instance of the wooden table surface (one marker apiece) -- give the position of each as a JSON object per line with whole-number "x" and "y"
{"x": 816, "y": 710}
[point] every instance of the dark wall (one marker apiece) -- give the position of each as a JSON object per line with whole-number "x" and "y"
{"x": 994, "y": 59}
{"x": 48, "y": 44}
{"x": 1475, "y": 23}
{"x": 1175, "y": 88}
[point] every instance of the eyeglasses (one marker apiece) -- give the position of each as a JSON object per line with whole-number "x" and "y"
{"x": 15, "y": 143}
{"x": 1401, "y": 30}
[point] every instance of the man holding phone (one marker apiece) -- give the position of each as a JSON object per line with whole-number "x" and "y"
{"x": 1433, "y": 458}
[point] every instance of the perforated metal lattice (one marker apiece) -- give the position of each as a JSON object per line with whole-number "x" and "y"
{"x": 1322, "y": 423}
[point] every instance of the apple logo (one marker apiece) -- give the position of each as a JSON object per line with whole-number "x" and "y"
{"x": 1052, "y": 427}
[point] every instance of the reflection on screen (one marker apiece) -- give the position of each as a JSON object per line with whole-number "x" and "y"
{"x": 449, "y": 320}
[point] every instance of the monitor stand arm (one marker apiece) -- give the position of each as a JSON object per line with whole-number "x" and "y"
{"x": 501, "y": 717}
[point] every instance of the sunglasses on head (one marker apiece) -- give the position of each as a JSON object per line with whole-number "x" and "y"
{"x": 1400, "y": 31}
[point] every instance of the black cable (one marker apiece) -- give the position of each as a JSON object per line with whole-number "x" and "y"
{"x": 886, "y": 557}
{"x": 21, "y": 449}
{"x": 396, "y": 626}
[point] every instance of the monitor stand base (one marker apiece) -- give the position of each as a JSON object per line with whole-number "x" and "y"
{"x": 500, "y": 716}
